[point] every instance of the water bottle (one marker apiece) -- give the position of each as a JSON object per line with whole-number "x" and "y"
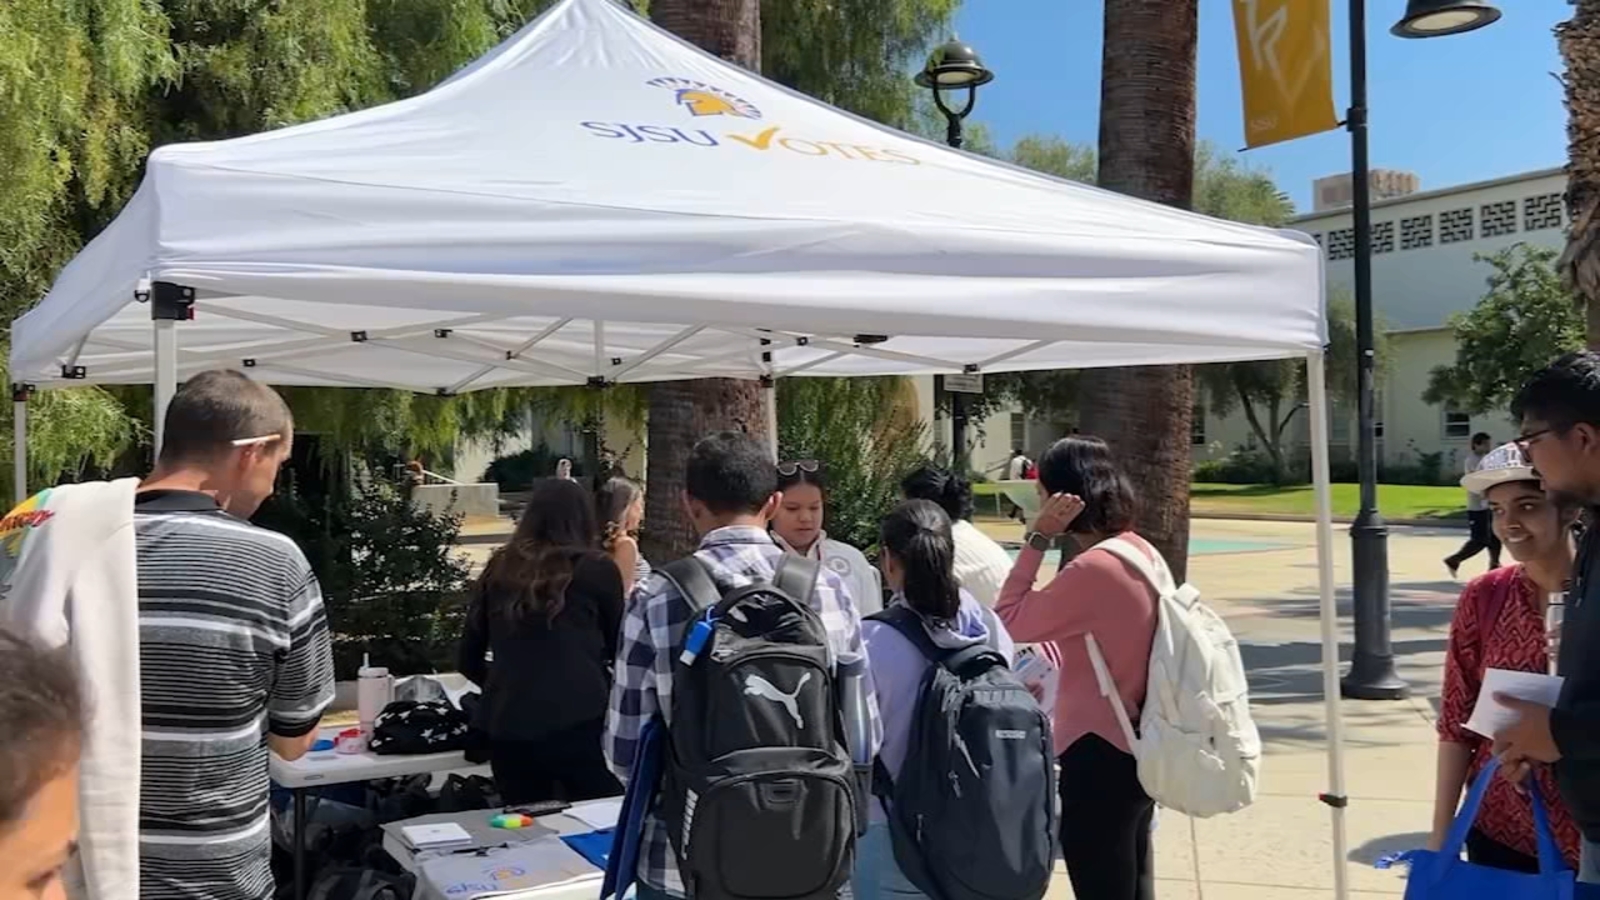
{"x": 854, "y": 705}
{"x": 374, "y": 691}
{"x": 1555, "y": 615}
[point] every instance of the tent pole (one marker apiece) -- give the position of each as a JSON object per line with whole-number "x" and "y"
{"x": 169, "y": 305}
{"x": 1316, "y": 382}
{"x": 19, "y": 432}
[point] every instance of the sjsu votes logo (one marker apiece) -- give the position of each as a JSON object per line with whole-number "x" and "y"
{"x": 705, "y": 101}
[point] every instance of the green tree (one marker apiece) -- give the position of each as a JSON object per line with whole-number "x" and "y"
{"x": 1527, "y": 318}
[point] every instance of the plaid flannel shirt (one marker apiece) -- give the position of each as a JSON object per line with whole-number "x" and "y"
{"x": 652, "y": 637}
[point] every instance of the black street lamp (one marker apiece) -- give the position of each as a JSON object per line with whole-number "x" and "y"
{"x": 1372, "y": 675}
{"x": 954, "y": 66}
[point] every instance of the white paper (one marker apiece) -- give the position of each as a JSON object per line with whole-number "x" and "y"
{"x": 435, "y": 834}
{"x": 598, "y": 813}
{"x": 538, "y": 864}
{"x": 1489, "y": 717}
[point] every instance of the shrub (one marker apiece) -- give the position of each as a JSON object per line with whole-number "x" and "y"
{"x": 516, "y": 471}
{"x": 1239, "y": 467}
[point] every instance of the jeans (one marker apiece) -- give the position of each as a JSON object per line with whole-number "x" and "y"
{"x": 1589, "y": 863}
{"x": 877, "y": 876}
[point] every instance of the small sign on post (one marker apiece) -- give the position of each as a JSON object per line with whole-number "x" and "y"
{"x": 964, "y": 384}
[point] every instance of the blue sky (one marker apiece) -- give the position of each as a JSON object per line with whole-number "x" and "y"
{"x": 1453, "y": 110}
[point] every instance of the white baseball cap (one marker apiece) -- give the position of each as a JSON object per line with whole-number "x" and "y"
{"x": 1502, "y": 465}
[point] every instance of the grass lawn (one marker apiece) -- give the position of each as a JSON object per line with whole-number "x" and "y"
{"x": 1396, "y": 501}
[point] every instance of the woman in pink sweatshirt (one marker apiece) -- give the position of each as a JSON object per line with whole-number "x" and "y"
{"x": 1105, "y": 814}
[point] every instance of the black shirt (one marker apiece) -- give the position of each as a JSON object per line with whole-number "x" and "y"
{"x": 546, "y": 676}
{"x": 1575, "y": 722}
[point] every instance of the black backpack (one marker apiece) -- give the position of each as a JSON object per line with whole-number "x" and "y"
{"x": 758, "y": 797}
{"x": 972, "y": 815}
{"x": 409, "y": 727}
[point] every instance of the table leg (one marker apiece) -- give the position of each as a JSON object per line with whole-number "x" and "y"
{"x": 299, "y": 843}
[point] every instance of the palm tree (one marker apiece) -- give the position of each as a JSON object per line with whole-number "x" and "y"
{"x": 682, "y": 412}
{"x": 1580, "y": 265}
{"x": 1147, "y": 142}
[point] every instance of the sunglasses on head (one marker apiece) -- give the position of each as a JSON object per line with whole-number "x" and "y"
{"x": 791, "y": 469}
{"x": 256, "y": 441}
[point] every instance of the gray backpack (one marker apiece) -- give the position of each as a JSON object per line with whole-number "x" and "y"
{"x": 972, "y": 815}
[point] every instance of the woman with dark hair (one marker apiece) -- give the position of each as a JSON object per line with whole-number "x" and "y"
{"x": 918, "y": 563}
{"x": 41, "y": 733}
{"x": 1105, "y": 814}
{"x": 620, "y": 502}
{"x": 981, "y": 563}
{"x": 548, "y": 607}
{"x": 797, "y": 528}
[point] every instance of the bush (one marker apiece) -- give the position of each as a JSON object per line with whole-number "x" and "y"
{"x": 1239, "y": 467}
{"x": 392, "y": 583}
{"x": 516, "y": 471}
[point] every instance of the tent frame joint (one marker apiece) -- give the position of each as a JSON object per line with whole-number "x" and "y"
{"x": 171, "y": 302}
{"x": 442, "y": 333}
{"x": 249, "y": 362}
{"x": 971, "y": 369}
{"x": 74, "y": 373}
{"x": 358, "y": 337}
{"x": 1337, "y": 801}
{"x": 22, "y": 392}
{"x": 599, "y": 382}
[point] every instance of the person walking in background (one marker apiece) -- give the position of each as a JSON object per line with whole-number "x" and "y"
{"x": 797, "y": 527}
{"x": 1481, "y": 535}
{"x": 981, "y": 564}
{"x": 918, "y": 564}
{"x": 1500, "y": 623}
{"x": 1559, "y": 411}
{"x": 1105, "y": 814}
{"x": 549, "y": 606}
{"x": 41, "y": 733}
{"x": 620, "y": 502}
{"x": 731, "y": 494}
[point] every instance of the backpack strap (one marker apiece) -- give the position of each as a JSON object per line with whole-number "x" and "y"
{"x": 1108, "y": 690}
{"x": 905, "y": 620}
{"x": 797, "y": 577}
{"x": 693, "y": 581}
{"x": 1153, "y": 571}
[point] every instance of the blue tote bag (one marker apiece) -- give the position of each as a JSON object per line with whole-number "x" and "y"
{"x": 1446, "y": 876}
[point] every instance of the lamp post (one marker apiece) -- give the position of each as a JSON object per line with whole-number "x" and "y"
{"x": 1372, "y": 675}
{"x": 955, "y": 66}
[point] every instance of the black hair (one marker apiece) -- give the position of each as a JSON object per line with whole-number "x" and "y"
{"x": 917, "y": 534}
{"x": 731, "y": 473}
{"x": 531, "y": 572}
{"x": 950, "y": 491}
{"x": 1481, "y": 437}
{"x": 41, "y": 722}
{"x": 1082, "y": 465}
{"x": 612, "y": 501}
{"x": 1562, "y": 394}
{"x": 215, "y": 408}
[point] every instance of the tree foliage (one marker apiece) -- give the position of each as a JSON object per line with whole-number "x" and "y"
{"x": 1526, "y": 318}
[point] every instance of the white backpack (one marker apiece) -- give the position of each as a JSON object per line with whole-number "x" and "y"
{"x": 1198, "y": 750}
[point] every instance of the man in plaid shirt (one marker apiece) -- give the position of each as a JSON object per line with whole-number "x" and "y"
{"x": 732, "y": 490}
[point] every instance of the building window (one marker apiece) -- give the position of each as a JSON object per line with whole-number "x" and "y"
{"x": 1019, "y": 430}
{"x": 1498, "y": 218}
{"x": 1457, "y": 425}
{"x": 1541, "y": 212}
{"x": 1416, "y": 232}
{"x": 1197, "y": 427}
{"x": 1342, "y": 243}
{"x": 1455, "y": 226}
{"x": 1383, "y": 237}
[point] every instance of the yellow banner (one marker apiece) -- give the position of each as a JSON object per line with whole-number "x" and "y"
{"x": 1285, "y": 69}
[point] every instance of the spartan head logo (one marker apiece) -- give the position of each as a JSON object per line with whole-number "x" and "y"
{"x": 756, "y": 686}
{"x": 702, "y": 99}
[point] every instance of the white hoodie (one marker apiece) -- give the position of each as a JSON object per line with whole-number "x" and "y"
{"x": 68, "y": 578}
{"x": 861, "y": 577}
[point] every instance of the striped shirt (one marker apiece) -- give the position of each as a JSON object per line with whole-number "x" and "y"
{"x": 652, "y": 637}
{"x": 233, "y": 644}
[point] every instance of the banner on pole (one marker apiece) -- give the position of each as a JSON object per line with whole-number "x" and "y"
{"x": 1285, "y": 69}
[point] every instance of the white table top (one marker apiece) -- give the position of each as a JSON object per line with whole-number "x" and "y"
{"x": 318, "y": 769}
{"x": 586, "y": 887}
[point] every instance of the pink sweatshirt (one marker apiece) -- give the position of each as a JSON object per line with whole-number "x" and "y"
{"x": 1096, "y": 593}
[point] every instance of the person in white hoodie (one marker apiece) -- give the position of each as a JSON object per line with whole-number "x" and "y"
{"x": 918, "y": 563}
{"x": 797, "y": 527}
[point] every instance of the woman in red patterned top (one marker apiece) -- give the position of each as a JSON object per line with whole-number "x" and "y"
{"x": 1499, "y": 623}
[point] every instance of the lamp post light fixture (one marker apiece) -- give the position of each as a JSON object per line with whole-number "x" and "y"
{"x": 1372, "y": 675}
{"x": 955, "y": 66}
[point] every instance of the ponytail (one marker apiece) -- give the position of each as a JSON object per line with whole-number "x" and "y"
{"x": 917, "y": 534}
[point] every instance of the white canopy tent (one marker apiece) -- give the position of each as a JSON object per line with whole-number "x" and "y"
{"x": 596, "y": 201}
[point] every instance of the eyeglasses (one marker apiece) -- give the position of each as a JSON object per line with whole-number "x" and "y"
{"x": 791, "y": 469}
{"x": 1523, "y": 440}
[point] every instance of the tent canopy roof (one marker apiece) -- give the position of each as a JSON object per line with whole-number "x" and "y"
{"x": 596, "y": 198}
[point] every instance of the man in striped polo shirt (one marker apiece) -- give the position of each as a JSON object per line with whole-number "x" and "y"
{"x": 234, "y": 651}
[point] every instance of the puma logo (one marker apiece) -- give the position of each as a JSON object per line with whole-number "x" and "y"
{"x": 756, "y": 686}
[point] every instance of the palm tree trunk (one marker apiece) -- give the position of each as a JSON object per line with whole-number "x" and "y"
{"x": 682, "y": 412}
{"x": 1579, "y": 39}
{"x": 1147, "y": 136}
